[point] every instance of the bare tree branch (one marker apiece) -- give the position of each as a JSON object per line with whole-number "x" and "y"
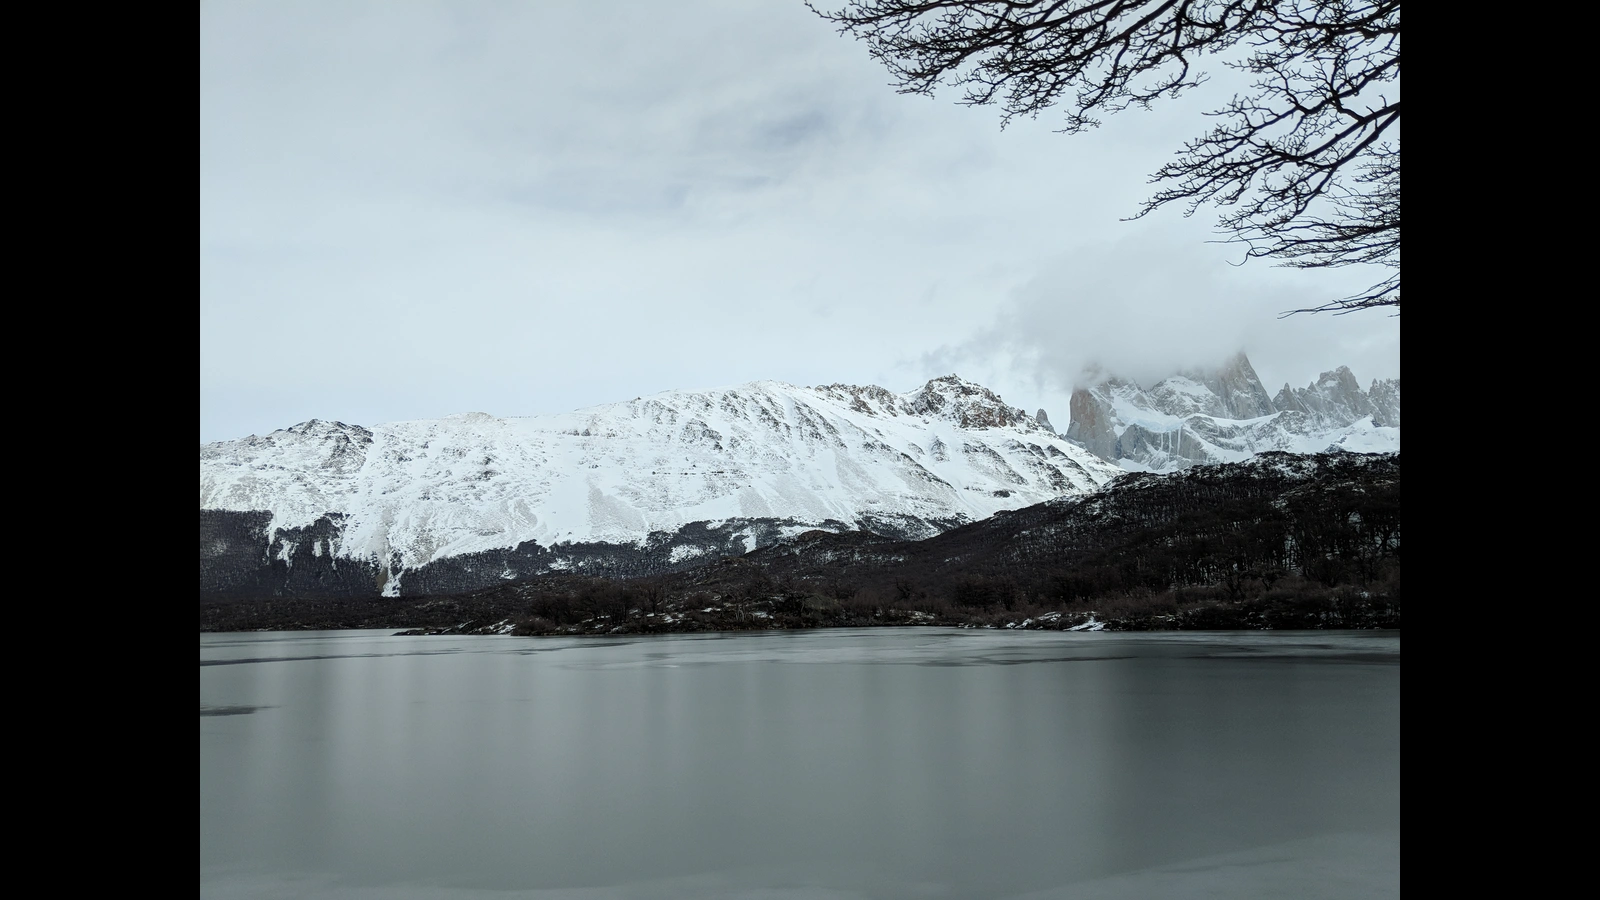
{"x": 1305, "y": 166}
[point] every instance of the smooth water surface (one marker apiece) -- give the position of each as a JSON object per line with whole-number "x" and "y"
{"x": 842, "y": 763}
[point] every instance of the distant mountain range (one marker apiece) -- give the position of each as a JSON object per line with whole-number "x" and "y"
{"x": 1226, "y": 415}
{"x": 668, "y": 482}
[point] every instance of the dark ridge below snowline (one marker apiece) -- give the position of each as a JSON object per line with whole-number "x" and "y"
{"x": 1280, "y": 541}
{"x": 239, "y": 563}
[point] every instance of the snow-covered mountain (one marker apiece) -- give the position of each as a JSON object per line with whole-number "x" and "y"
{"x": 758, "y": 461}
{"x": 1225, "y": 415}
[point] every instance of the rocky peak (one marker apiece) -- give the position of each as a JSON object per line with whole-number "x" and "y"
{"x": 1384, "y": 396}
{"x": 869, "y": 399}
{"x": 1239, "y": 390}
{"x": 333, "y": 447}
{"x": 1229, "y": 391}
{"x": 1335, "y": 399}
{"x": 1092, "y": 423}
{"x": 319, "y": 428}
{"x": 966, "y": 403}
{"x": 1341, "y": 380}
{"x": 1286, "y": 399}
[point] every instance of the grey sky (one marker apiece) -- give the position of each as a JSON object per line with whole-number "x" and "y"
{"x": 410, "y": 210}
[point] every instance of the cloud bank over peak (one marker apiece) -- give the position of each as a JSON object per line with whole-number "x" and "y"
{"x": 1160, "y": 300}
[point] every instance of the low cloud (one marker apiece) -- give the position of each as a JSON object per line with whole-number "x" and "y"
{"x": 1160, "y": 299}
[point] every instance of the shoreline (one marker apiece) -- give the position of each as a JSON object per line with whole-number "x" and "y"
{"x": 1347, "y": 610}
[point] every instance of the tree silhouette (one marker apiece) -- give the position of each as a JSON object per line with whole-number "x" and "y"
{"x": 1305, "y": 166}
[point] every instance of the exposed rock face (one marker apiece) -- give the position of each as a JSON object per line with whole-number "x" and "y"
{"x": 1225, "y": 415}
{"x": 1094, "y": 421}
{"x": 1044, "y": 421}
{"x": 1332, "y": 400}
{"x": 1239, "y": 392}
{"x": 1385, "y": 399}
{"x": 325, "y": 509}
{"x": 967, "y": 404}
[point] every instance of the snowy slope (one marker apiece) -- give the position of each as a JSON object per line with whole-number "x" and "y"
{"x": 1225, "y": 415}
{"x": 413, "y": 492}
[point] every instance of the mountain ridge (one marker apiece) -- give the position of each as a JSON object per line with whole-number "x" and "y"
{"x": 750, "y": 463}
{"x": 1209, "y": 416}
{"x": 667, "y": 482}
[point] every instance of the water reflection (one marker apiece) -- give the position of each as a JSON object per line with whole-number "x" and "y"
{"x": 876, "y": 763}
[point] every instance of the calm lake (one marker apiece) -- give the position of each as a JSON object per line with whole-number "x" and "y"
{"x": 914, "y": 763}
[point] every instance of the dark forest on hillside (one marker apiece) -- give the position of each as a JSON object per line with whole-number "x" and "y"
{"x": 1281, "y": 541}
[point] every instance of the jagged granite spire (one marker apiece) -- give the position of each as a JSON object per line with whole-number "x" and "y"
{"x": 1335, "y": 399}
{"x": 1384, "y": 395}
{"x": 1225, "y": 414}
{"x": 1239, "y": 391}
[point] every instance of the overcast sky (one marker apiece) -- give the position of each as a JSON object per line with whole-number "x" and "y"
{"x": 409, "y": 210}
